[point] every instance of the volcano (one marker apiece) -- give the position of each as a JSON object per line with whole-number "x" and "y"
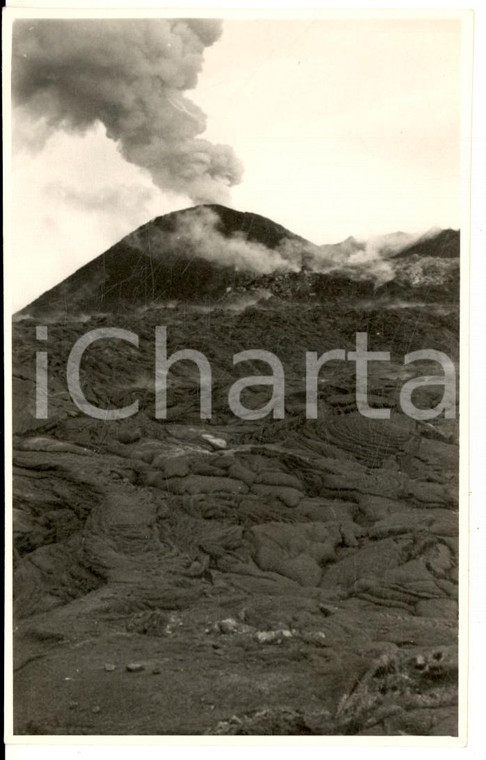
{"x": 230, "y": 576}
{"x": 149, "y": 265}
{"x": 162, "y": 261}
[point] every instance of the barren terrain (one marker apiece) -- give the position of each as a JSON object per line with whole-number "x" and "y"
{"x": 184, "y": 576}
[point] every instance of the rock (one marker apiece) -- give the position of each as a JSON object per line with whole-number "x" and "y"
{"x": 109, "y": 667}
{"x": 315, "y": 637}
{"x": 195, "y": 484}
{"x": 437, "y": 608}
{"x": 296, "y": 551}
{"x": 376, "y": 508}
{"x": 146, "y": 456}
{"x": 129, "y": 436}
{"x": 288, "y": 496}
{"x": 148, "y": 622}
{"x": 46, "y": 444}
{"x": 277, "y": 478}
{"x": 327, "y": 610}
{"x": 374, "y": 561}
{"x": 273, "y": 637}
{"x": 230, "y": 625}
{"x": 207, "y": 468}
{"x": 324, "y": 510}
{"x": 134, "y": 667}
{"x": 216, "y": 443}
{"x": 239, "y": 472}
{"x": 431, "y": 493}
{"x": 303, "y": 569}
{"x": 172, "y": 467}
{"x": 155, "y": 479}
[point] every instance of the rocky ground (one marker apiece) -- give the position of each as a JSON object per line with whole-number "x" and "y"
{"x": 228, "y": 576}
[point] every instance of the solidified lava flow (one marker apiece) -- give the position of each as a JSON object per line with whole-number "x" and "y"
{"x": 232, "y": 576}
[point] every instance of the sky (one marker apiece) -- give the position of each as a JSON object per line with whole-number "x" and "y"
{"x": 343, "y": 127}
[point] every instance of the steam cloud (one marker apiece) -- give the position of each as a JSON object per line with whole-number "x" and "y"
{"x": 198, "y": 233}
{"x": 129, "y": 75}
{"x": 375, "y": 259}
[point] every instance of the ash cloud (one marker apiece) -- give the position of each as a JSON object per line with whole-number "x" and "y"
{"x": 130, "y": 75}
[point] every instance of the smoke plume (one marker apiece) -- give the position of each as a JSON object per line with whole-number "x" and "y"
{"x": 376, "y": 259}
{"x": 198, "y": 234}
{"x": 130, "y": 75}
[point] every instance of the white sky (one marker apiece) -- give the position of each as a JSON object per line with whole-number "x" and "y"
{"x": 344, "y": 128}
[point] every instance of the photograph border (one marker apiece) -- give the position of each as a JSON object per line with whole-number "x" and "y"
{"x": 466, "y": 17}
